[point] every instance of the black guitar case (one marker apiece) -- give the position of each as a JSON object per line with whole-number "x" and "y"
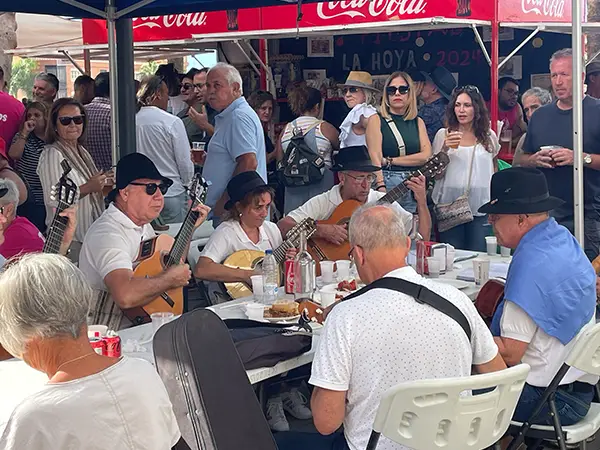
{"x": 215, "y": 405}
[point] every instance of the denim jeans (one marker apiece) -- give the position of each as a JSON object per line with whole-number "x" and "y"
{"x": 468, "y": 236}
{"x": 175, "y": 209}
{"x": 393, "y": 179}
{"x": 572, "y": 406}
{"x": 293, "y": 440}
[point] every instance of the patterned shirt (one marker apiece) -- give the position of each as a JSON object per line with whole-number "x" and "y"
{"x": 434, "y": 115}
{"x": 28, "y": 164}
{"x": 98, "y": 132}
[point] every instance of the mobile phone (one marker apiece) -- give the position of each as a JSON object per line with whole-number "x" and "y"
{"x": 550, "y": 147}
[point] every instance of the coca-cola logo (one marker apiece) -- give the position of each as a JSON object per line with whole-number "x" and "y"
{"x": 376, "y": 8}
{"x": 547, "y": 8}
{"x": 171, "y": 21}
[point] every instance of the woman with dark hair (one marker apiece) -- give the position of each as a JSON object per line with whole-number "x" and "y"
{"x": 65, "y": 134}
{"x": 26, "y": 148}
{"x": 322, "y": 138}
{"x": 472, "y": 147}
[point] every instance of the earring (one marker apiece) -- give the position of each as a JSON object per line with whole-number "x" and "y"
{"x": 240, "y": 214}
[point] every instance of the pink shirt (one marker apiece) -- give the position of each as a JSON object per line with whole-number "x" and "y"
{"x": 12, "y": 112}
{"x": 21, "y": 237}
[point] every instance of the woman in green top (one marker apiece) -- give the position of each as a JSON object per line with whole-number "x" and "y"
{"x": 396, "y": 137}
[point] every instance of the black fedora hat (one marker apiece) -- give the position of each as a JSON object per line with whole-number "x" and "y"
{"x": 520, "y": 190}
{"x": 133, "y": 167}
{"x": 241, "y": 185}
{"x": 355, "y": 158}
{"x": 444, "y": 80}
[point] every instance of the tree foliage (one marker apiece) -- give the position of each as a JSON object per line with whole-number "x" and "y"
{"x": 148, "y": 68}
{"x": 23, "y": 73}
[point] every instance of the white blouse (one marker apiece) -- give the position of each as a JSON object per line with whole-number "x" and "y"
{"x": 348, "y": 137}
{"x": 454, "y": 183}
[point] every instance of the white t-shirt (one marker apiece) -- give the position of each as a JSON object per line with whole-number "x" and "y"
{"x": 455, "y": 181}
{"x": 322, "y": 206}
{"x": 162, "y": 138}
{"x": 2, "y": 261}
{"x": 377, "y": 340}
{"x": 126, "y": 406}
{"x": 545, "y": 354}
{"x": 229, "y": 237}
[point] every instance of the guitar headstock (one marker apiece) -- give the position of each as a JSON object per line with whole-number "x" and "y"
{"x": 435, "y": 165}
{"x": 198, "y": 189}
{"x": 65, "y": 192}
{"x": 308, "y": 225}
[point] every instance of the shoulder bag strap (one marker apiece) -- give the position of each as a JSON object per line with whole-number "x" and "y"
{"x": 397, "y": 136}
{"x": 470, "y": 172}
{"x": 422, "y": 295}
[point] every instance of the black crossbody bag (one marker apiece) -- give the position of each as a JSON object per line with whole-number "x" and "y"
{"x": 422, "y": 295}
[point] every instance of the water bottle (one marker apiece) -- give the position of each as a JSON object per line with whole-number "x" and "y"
{"x": 270, "y": 273}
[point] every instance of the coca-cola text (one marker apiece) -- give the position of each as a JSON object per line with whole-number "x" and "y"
{"x": 547, "y": 8}
{"x": 170, "y": 21}
{"x": 370, "y": 8}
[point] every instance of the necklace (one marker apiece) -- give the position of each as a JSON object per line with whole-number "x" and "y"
{"x": 73, "y": 360}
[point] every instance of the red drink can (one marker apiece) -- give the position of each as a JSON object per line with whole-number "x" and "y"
{"x": 98, "y": 345}
{"x": 289, "y": 276}
{"x": 113, "y": 346}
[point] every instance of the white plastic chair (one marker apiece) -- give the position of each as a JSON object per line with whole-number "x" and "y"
{"x": 585, "y": 356}
{"x": 202, "y": 233}
{"x": 431, "y": 414}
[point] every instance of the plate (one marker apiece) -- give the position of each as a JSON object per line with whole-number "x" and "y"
{"x": 291, "y": 319}
{"x": 458, "y": 284}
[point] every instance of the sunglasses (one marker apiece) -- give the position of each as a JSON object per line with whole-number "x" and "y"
{"x": 152, "y": 187}
{"x": 391, "y": 90}
{"x": 199, "y": 85}
{"x": 66, "y": 120}
{"x": 352, "y": 90}
{"x": 187, "y": 86}
{"x": 468, "y": 88}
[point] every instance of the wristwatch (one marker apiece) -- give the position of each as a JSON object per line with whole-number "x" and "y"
{"x": 587, "y": 159}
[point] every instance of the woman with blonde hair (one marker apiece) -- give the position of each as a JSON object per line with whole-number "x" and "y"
{"x": 396, "y": 137}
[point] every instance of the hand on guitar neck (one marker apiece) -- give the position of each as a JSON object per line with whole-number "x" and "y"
{"x": 71, "y": 215}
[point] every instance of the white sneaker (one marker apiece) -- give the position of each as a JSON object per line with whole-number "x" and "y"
{"x": 295, "y": 403}
{"x": 275, "y": 415}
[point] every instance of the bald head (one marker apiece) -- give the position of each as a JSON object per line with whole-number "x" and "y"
{"x": 376, "y": 226}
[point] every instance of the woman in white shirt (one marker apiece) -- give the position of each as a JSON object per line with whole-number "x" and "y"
{"x": 90, "y": 401}
{"x": 359, "y": 95}
{"x": 472, "y": 147}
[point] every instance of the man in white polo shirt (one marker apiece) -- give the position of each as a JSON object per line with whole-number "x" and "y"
{"x": 112, "y": 244}
{"x": 356, "y": 177}
{"x": 383, "y": 337}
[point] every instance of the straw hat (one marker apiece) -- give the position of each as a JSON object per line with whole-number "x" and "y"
{"x": 361, "y": 80}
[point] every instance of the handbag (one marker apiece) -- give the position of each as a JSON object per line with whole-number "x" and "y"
{"x": 458, "y": 212}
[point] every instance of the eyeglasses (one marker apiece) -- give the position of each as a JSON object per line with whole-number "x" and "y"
{"x": 391, "y": 90}
{"x": 350, "y": 253}
{"x": 468, "y": 88}
{"x": 370, "y": 179}
{"x": 352, "y": 90}
{"x": 152, "y": 187}
{"x": 1, "y": 210}
{"x": 66, "y": 120}
{"x": 187, "y": 86}
{"x": 199, "y": 85}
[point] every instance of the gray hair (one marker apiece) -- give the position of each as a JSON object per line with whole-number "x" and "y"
{"x": 43, "y": 296}
{"x": 560, "y": 54}
{"x": 232, "y": 75}
{"x": 49, "y": 78}
{"x": 375, "y": 226}
{"x": 542, "y": 94}
{"x": 12, "y": 196}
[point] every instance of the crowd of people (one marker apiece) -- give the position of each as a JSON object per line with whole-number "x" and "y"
{"x": 305, "y": 172}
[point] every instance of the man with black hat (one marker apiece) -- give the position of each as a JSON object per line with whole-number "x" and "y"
{"x": 592, "y": 79}
{"x": 356, "y": 172}
{"x": 112, "y": 243}
{"x": 435, "y": 95}
{"x": 549, "y": 296}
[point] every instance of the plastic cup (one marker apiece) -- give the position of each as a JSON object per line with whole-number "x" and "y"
{"x": 255, "y": 311}
{"x": 343, "y": 269}
{"x": 481, "y": 270}
{"x": 433, "y": 266}
{"x": 93, "y": 329}
{"x": 491, "y": 243}
{"x": 257, "y": 286}
{"x": 327, "y": 271}
{"x": 327, "y": 298}
{"x": 450, "y": 260}
{"x": 504, "y": 251}
{"x": 160, "y": 318}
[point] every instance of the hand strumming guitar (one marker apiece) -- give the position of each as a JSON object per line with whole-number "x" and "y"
{"x": 336, "y": 234}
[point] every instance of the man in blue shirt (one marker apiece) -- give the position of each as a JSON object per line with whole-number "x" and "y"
{"x": 435, "y": 95}
{"x": 238, "y": 144}
{"x": 549, "y": 296}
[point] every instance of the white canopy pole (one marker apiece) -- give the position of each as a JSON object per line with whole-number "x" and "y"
{"x": 112, "y": 71}
{"x": 577, "y": 45}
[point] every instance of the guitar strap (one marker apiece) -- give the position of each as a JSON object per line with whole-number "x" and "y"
{"x": 422, "y": 295}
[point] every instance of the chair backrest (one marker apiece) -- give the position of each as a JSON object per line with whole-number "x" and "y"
{"x": 441, "y": 413}
{"x": 193, "y": 254}
{"x": 585, "y": 355}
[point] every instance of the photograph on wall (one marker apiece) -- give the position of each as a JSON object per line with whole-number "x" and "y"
{"x": 320, "y": 47}
{"x": 505, "y": 34}
{"x": 541, "y": 80}
{"x": 314, "y": 77}
{"x": 513, "y": 68}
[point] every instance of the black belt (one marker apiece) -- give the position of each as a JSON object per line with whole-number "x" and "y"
{"x": 577, "y": 386}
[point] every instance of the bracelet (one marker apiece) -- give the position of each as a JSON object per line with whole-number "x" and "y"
{"x": 21, "y": 136}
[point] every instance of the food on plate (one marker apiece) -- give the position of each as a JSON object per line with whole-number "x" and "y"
{"x": 347, "y": 285}
{"x": 282, "y": 309}
{"x": 339, "y": 297}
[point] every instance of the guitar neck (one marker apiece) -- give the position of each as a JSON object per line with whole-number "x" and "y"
{"x": 398, "y": 191}
{"x": 56, "y": 232}
{"x": 281, "y": 251}
{"x": 183, "y": 238}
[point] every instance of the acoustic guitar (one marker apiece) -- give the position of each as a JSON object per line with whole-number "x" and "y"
{"x": 252, "y": 259}
{"x": 161, "y": 252}
{"x": 323, "y": 250}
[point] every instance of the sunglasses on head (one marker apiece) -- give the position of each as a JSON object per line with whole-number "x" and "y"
{"x": 352, "y": 90}
{"x": 468, "y": 88}
{"x": 66, "y": 120}
{"x": 152, "y": 187}
{"x": 391, "y": 90}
